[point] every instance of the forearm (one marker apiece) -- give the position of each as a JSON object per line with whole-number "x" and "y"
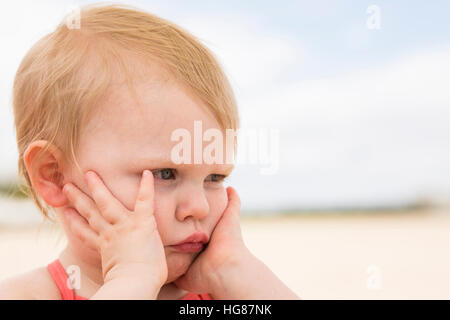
{"x": 250, "y": 279}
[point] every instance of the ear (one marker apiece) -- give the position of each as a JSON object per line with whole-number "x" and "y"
{"x": 46, "y": 172}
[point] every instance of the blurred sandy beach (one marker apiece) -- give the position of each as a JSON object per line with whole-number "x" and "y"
{"x": 334, "y": 256}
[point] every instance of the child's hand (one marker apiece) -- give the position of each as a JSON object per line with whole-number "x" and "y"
{"x": 129, "y": 243}
{"x": 225, "y": 249}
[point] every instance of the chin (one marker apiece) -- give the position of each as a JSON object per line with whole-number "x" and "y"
{"x": 177, "y": 265}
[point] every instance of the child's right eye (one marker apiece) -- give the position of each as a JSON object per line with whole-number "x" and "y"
{"x": 164, "y": 174}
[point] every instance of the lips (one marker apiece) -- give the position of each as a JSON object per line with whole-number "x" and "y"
{"x": 194, "y": 243}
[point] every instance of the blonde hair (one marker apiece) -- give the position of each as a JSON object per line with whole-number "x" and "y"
{"x": 66, "y": 73}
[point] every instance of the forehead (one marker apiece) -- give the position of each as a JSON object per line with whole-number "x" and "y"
{"x": 126, "y": 130}
{"x": 163, "y": 107}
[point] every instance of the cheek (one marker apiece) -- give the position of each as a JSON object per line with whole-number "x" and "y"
{"x": 178, "y": 264}
{"x": 164, "y": 208}
{"x": 218, "y": 201}
{"x": 124, "y": 189}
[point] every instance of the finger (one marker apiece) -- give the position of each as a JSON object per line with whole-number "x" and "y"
{"x": 231, "y": 214}
{"x": 229, "y": 222}
{"x": 144, "y": 205}
{"x": 81, "y": 229}
{"x": 234, "y": 203}
{"x": 85, "y": 207}
{"x": 110, "y": 208}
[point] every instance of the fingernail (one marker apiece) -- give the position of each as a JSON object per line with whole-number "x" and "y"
{"x": 88, "y": 175}
{"x": 66, "y": 188}
{"x": 146, "y": 172}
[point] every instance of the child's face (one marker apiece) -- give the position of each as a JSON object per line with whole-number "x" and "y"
{"x": 121, "y": 140}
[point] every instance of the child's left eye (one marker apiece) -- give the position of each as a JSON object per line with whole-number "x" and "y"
{"x": 217, "y": 177}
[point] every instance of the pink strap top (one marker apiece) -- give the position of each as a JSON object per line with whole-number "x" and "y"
{"x": 60, "y": 277}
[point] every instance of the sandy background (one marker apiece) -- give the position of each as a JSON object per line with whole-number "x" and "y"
{"x": 336, "y": 256}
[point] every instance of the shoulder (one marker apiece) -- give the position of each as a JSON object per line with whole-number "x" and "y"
{"x": 36, "y": 284}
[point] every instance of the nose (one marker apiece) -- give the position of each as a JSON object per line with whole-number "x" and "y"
{"x": 192, "y": 202}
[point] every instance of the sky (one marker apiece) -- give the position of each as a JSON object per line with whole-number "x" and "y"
{"x": 361, "y": 115}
